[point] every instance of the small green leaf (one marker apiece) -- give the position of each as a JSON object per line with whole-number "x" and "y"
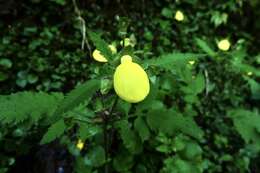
{"x": 205, "y": 47}
{"x": 54, "y": 131}
{"x": 141, "y": 128}
{"x": 101, "y": 45}
{"x": 77, "y": 96}
{"x": 7, "y": 63}
{"x": 166, "y": 12}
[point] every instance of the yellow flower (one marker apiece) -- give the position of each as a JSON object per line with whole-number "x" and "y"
{"x": 80, "y": 144}
{"x": 179, "y": 16}
{"x": 224, "y": 45}
{"x": 249, "y": 73}
{"x": 191, "y": 62}
{"x": 131, "y": 82}
{"x": 99, "y": 57}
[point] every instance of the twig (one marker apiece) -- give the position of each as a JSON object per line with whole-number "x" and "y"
{"x": 83, "y": 28}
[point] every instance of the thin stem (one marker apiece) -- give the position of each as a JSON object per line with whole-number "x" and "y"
{"x": 83, "y": 27}
{"x": 107, "y": 115}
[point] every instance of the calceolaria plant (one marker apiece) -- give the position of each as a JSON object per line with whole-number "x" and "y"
{"x": 133, "y": 114}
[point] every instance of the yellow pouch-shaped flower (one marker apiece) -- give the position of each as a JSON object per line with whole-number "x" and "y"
{"x": 99, "y": 57}
{"x": 131, "y": 82}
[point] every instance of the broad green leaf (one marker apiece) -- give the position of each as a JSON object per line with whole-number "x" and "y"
{"x": 172, "y": 123}
{"x": 205, "y": 47}
{"x": 54, "y": 131}
{"x": 247, "y": 124}
{"x": 172, "y": 60}
{"x": 130, "y": 139}
{"x": 101, "y": 45}
{"x": 80, "y": 94}
{"x": 97, "y": 156}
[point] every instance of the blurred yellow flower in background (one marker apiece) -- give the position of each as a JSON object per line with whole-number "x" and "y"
{"x": 80, "y": 144}
{"x": 179, "y": 16}
{"x": 224, "y": 45}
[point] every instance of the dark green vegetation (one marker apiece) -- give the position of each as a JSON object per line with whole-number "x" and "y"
{"x": 201, "y": 117}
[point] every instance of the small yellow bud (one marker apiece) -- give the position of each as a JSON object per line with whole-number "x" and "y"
{"x": 80, "y": 144}
{"x": 179, "y": 16}
{"x": 249, "y": 73}
{"x": 191, "y": 62}
{"x": 113, "y": 49}
{"x": 224, "y": 45}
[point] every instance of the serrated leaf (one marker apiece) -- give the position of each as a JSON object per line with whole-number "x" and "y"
{"x": 247, "y": 124}
{"x": 21, "y": 106}
{"x": 205, "y": 47}
{"x": 74, "y": 98}
{"x": 169, "y": 61}
{"x": 130, "y": 139}
{"x": 54, "y": 131}
{"x": 101, "y": 45}
{"x": 171, "y": 122}
{"x": 142, "y": 129}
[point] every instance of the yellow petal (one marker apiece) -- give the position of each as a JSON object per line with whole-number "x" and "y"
{"x": 131, "y": 82}
{"x": 179, "y": 16}
{"x": 80, "y": 144}
{"x": 224, "y": 45}
{"x": 98, "y": 56}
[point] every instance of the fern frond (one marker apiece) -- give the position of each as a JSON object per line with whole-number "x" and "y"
{"x": 18, "y": 107}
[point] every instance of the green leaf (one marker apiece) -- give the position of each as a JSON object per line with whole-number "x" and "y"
{"x": 101, "y": 45}
{"x": 20, "y": 106}
{"x": 172, "y": 123}
{"x": 172, "y": 60}
{"x": 7, "y": 63}
{"x": 54, "y": 131}
{"x": 255, "y": 88}
{"x": 166, "y": 12}
{"x": 141, "y": 128}
{"x": 3, "y": 76}
{"x": 123, "y": 161}
{"x": 88, "y": 130}
{"x": 130, "y": 139}
{"x": 97, "y": 156}
{"x": 247, "y": 124}
{"x": 80, "y": 94}
{"x": 205, "y": 47}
